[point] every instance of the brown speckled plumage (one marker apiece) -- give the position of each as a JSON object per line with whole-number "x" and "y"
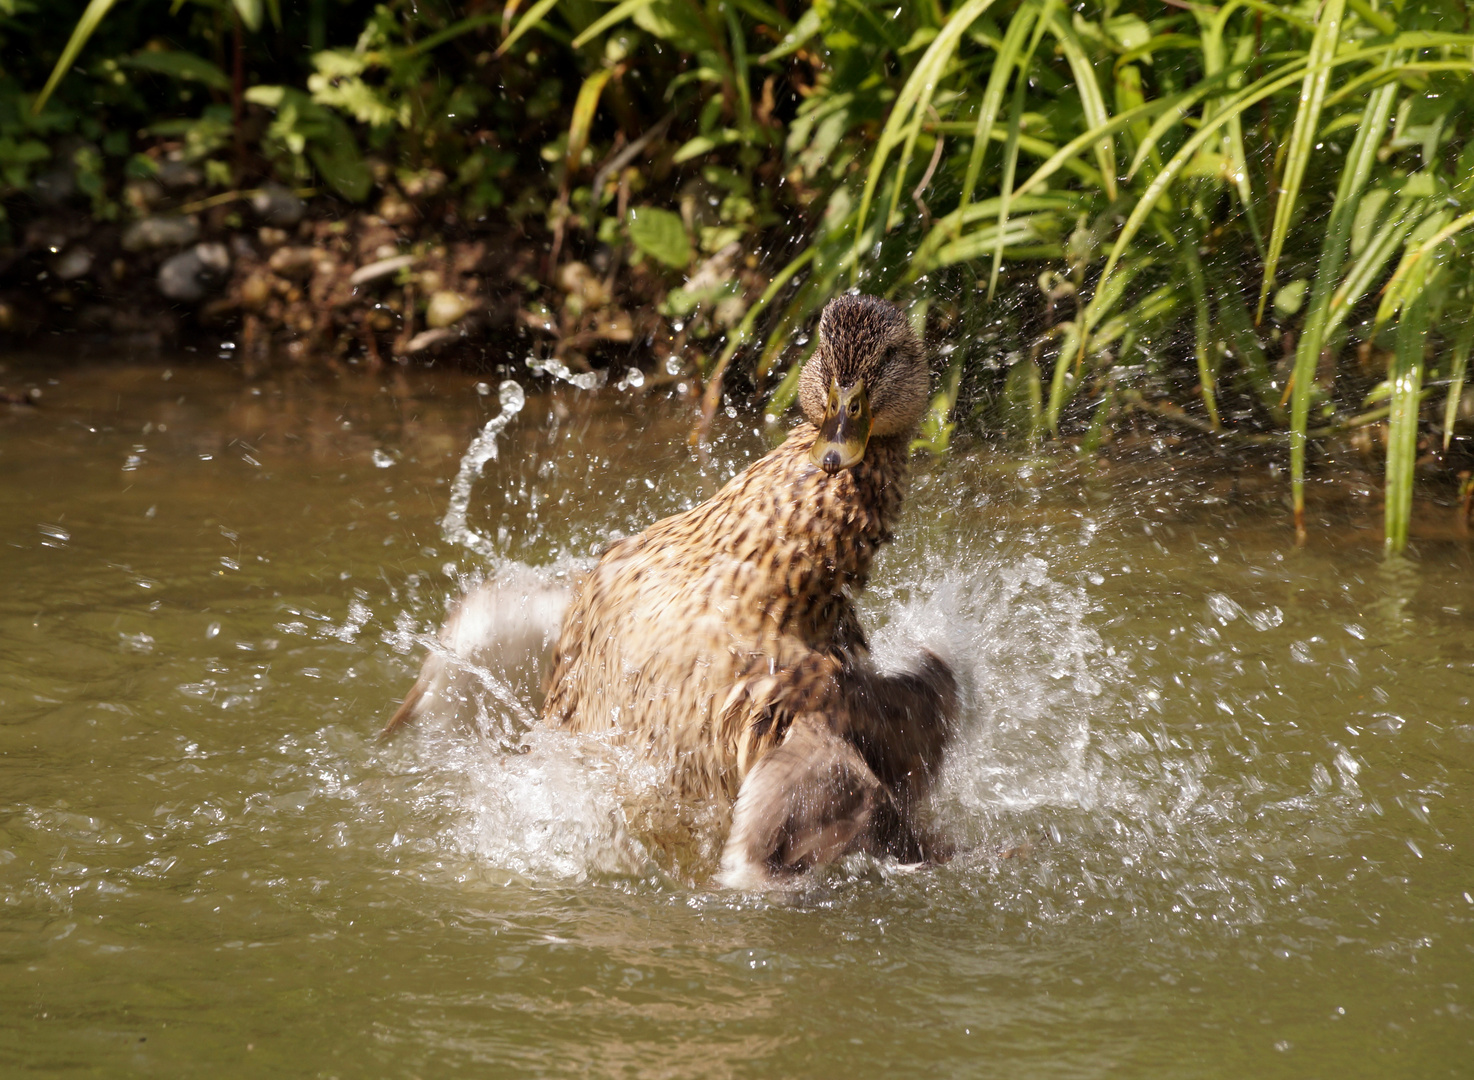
{"x": 724, "y": 633}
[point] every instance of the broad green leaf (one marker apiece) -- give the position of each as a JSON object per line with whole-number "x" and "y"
{"x": 249, "y": 12}
{"x": 177, "y": 64}
{"x": 661, "y": 235}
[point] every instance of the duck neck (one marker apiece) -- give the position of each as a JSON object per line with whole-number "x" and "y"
{"x": 861, "y": 505}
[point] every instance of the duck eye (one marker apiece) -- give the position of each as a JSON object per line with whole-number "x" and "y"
{"x": 855, "y": 407}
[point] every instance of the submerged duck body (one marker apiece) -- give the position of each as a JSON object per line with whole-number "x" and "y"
{"x": 723, "y": 643}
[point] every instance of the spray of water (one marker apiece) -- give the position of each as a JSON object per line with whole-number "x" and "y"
{"x": 1079, "y": 777}
{"x": 454, "y": 526}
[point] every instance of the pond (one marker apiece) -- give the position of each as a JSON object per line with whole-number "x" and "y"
{"x": 1214, "y": 793}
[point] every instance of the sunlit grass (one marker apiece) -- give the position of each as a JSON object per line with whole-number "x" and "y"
{"x": 1175, "y": 168}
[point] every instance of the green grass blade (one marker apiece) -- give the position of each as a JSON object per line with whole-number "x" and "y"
{"x": 1368, "y": 81}
{"x": 1011, "y": 143}
{"x": 765, "y": 13}
{"x": 1077, "y": 335}
{"x": 1354, "y": 176}
{"x": 1066, "y": 154}
{"x": 1203, "y": 328}
{"x": 932, "y": 68}
{"x": 898, "y": 126}
{"x": 1233, "y": 316}
{"x": 988, "y": 240}
{"x": 1302, "y": 136}
{"x": 740, "y": 69}
{"x": 1458, "y": 372}
{"x": 613, "y": 17}
{"x": 936, "y": 430}
{"x": 1273, "y": 11}
{"x": 744, "y": 328}
{"x": 1402, "y": 433}
{"x": 1008, "y": 54}
{"x": 1407, "y": 277}
{"x": 86, "y": 26}
{"x": 533, "y": 16}
{"x": 1174, "y": 112}
{"x": 453, "y": 31}
{"x": 1091, "y": 99}
{"x": 808, "y": 24}
{"x": 948, "y": 230}
{"x": 1407, "y": 213}
{"x": 584, "y": 107}
{"x": 1010, "y": 166}
{"x": 249, "y": 12}
{"x": 1233, "y": 137}
{"x": 1373, "y": 17}
{"x": 1263, "y": 88}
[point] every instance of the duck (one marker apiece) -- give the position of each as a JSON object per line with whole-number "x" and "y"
{"x": 723, "y": 646}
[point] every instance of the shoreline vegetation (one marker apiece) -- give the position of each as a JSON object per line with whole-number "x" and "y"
{"x": 1247, "y": 222}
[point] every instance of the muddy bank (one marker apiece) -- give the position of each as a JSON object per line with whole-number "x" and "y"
{"x": 268, "y": 277}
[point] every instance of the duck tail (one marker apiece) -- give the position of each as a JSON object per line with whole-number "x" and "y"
{"x": 407, "y": 709}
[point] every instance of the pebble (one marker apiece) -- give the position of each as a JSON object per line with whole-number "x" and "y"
{"x": 445, "y": 307}
{"x": 160, "y": 230}
{"x": 72, "y": 263}
{"x": 278, "y": 206}
{"x": 382, "y": 268}
{"x": 178, "y": 174}
{"x": 427, "y": 339}
{"x": 191, "y": 274}
{"x": 293, "y": 262}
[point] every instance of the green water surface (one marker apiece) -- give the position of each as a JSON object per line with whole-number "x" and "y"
{"x": 1215, "y": 793}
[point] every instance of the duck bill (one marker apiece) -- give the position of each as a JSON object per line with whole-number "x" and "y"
{"x": 845, "y": 431}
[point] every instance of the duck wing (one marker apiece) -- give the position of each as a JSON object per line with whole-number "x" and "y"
{"x": 807, "y": 802}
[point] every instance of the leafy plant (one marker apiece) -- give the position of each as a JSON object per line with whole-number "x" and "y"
{"x": 1162, "y": 172}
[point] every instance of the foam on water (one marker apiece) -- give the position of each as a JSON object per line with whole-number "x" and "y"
{"x": 1078, "y": 778}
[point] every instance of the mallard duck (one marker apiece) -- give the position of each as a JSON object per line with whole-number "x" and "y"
{"x": 723, "y": 643}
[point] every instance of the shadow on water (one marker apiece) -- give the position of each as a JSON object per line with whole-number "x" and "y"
{"x": 1216, "y": 794}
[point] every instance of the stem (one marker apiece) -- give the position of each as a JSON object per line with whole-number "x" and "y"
{"x": 238, "y": 89}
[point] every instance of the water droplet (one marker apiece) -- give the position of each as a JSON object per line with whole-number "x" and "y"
{"x": 213, "y": 630}
{"x": 635, "y": 377}
{"x": 383, "y": 459}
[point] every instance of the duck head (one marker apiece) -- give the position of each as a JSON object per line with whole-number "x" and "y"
{"x": 867, "y": 379}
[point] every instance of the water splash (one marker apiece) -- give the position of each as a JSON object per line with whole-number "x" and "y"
{"x": 584, "y": 380}
{"x": 454, "y": 526}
